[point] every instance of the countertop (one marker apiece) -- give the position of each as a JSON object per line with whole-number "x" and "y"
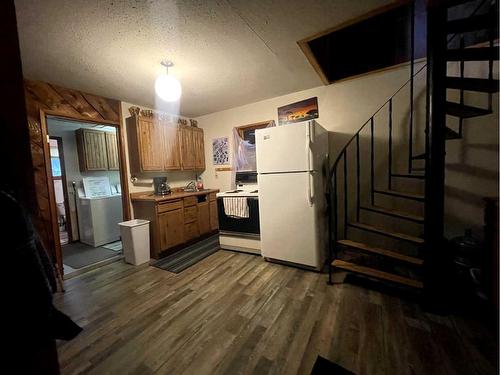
{"x": 148, "y": 196}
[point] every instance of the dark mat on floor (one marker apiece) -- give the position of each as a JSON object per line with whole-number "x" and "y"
{"x": 190, "y": 255}
{"x": 323, "y": 366}
{"x": 78, "y": 255}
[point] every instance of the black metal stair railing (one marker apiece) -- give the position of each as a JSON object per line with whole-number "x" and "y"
{"x": 332, "y": 195}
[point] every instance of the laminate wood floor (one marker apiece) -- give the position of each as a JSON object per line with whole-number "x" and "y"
{"x": 234, "y": 313}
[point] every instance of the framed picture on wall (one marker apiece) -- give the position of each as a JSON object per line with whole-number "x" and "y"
{"x": 298, "y": 111}
{"x": 220, "y": 150}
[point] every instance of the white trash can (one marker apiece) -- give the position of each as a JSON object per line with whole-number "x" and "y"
{"x": 135, "y": 239}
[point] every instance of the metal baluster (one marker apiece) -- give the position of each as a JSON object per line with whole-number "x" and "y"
{"x": 357, "y": 177}
{"x": 346, "y": 206}
{"x": 462, "y": 70}
{"x": 412, "y": 68}
{"x": 491, "y": 35}
{"x": 372, "y": 163}
{"x": 390, "y": 143}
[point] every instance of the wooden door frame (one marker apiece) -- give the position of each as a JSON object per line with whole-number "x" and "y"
{"x": 69, "y": 227}
{"x": 120, "y": 130}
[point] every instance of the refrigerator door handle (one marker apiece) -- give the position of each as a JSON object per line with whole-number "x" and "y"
{"x": 308, "y": 146}
{"x": 310, "y": 197}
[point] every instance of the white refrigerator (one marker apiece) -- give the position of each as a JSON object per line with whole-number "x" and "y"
{"x": 292, "y": 208}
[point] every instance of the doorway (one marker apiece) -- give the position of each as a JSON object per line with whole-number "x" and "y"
{"x": 86, "y": 176}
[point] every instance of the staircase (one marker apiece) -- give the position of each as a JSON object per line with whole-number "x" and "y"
{"x": 362, "y": 199}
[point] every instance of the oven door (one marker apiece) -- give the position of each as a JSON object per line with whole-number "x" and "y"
{"x": 245, "y": 226}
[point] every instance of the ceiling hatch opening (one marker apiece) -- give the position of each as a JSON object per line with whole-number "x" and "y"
{"x": 377, "y": 41}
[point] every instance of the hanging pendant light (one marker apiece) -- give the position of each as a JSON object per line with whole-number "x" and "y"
{"x": 168, "y": 88}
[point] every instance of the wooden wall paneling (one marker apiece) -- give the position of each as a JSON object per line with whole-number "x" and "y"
{"x": 104, "y": 106}
{"x": 43, "y": 99}
{"x": 112, "y": 151}
{"x": 78, "y": 101}
{"x": 54, "y": 225}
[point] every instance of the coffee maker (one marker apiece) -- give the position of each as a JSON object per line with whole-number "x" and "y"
{"x": 161, "y": 186}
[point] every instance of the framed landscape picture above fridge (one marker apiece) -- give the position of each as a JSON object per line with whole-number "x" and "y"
{"x": 299, "y": 111}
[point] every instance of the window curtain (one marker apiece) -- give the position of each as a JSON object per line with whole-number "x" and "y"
{"x": 244, "y": 157}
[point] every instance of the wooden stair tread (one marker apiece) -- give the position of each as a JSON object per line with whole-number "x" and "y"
{"x": 377, "y": 274}
{"x": 465, "y": 111}
{"x": 400, "y": 194}
{"x": 472, "y": 84}
{"x": 380, "y": 251}
{"x": 408, "y": 175}
{"x": 385, "y": 232}
{"x": 472, "y": 54}
{"x": 396, "y": 213}
{"x": 477, "y": 22}
{"x": 419, "y": 157}
{"x": 451, "y": 134}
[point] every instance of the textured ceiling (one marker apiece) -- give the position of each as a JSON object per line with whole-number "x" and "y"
{"x": 226, "y": 53}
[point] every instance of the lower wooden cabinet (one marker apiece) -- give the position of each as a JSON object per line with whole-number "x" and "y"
{"x": 214, "y": 217}
{"x": 171, "y": 228}
{"x": 204, "y": 217}
{"x": 176, "y": 221}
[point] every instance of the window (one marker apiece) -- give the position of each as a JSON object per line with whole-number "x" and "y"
{"x": 247, "y": 132}
{"x": 244, "y": 140}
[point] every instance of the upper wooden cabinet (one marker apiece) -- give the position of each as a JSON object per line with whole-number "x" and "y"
{"x": 156, "y": 145}
{"x": 199, "y": 148}
{"x": 187, "y": 147}
{"x": 172, "y": 155}
{"x": 91, "y": 147}
{"x": 112, "y": 152}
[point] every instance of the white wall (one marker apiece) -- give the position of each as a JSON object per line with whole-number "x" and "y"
{"x": 343, "y": 108}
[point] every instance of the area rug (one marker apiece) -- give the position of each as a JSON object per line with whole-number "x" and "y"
{"x": 78, "y": 255}
{"x": 323, "y": 366}
{"x": 188, "y": 256}
{"x": 115, "y": 246}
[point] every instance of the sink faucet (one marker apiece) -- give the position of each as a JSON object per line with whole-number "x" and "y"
{"x": 191, "y": 186}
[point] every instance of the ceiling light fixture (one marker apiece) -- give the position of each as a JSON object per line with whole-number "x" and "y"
{"x": 167, "y": 87}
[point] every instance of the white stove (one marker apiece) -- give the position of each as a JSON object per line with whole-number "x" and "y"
{"x": 241, "y": 191}
{"x": 241, "y": 234}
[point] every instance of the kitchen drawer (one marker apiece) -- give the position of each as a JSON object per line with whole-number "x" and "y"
{"x": 190, "y": 214}
{"x": 190, "y": 201}
{"x": 190, "y": 231}
{"x": 212, "y": 196}
{"x": 169, "y": 206}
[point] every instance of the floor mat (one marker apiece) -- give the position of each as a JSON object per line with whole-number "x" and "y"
{"x": 115, "y": 246}
{"x": 78, "y": 255}
{"x": 188, "y": 256}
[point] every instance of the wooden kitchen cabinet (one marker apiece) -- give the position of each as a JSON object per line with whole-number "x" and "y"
{"x": 171, "y": 225}
{"x": 112, "y": 152}
{"x": 214, "y": 217}
{"x": 156, "y": 145}
{"x": 91, "y": 147}
{"x": 204, "y": 217}
{"x": 199, "y": 148}
{"x": 171, "y": 144}
{"x": 188, "y": 157}
{"x": 177, "y": 219}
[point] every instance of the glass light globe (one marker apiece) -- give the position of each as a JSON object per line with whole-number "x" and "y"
{"x": 168, "y": 88}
